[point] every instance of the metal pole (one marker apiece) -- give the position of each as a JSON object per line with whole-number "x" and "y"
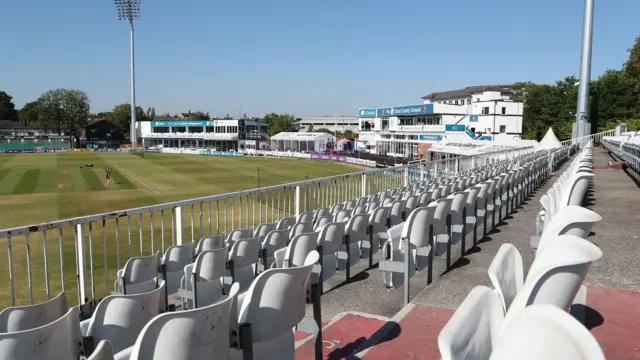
{"x": 134, "y": 135}
{"x": 582, "y": 113}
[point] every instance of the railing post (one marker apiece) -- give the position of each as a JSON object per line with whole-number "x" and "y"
{"x": 364, "y": 185}
{"x": 297, "y": 201}
{"x": 405, "y": 177}
{"x": 473, "y": 162}
{"x": 178, "y": 225}
{"x": 81, "y": 261}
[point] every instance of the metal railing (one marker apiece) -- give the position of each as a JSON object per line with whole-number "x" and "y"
{"x": 624, "y": 147}
{"x": 82, "y": 255}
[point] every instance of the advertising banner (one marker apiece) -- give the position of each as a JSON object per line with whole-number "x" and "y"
{"x": 328, "y": 157}
{"x": 363, "y": 162}
{"x": 221, "y": 153}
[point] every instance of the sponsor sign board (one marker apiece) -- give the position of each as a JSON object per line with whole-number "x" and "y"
{"x": 221, "y": 153}
{"x": 454, "y": 127}
{"x": 328, "y": 157}
{"x": 430, "y": 137}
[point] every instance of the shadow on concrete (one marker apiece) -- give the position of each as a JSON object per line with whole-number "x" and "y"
{"x": 387, "y": 332}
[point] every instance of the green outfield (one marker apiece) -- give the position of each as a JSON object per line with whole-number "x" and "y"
{"x": 37, "y": 188}
{"x": 45, "y": 187}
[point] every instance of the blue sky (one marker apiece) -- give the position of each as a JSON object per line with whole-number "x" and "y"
{"x": 297, "y": 56}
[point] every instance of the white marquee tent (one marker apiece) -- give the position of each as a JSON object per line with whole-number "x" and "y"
{"x": 301, "y": 141}
{"x": 549, "y": 141}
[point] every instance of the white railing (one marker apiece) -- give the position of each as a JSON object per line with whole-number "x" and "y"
{"x": 624, "y": 147}
{"x": 81, "y": 255}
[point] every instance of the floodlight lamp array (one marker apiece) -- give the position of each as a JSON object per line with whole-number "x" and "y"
{"x": 128, "y": 9}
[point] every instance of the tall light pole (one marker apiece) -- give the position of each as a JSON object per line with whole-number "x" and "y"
{"x": 130, "y": 10}
{"x": 582, "y": 113}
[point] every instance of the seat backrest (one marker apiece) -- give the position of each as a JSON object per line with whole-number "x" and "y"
{"x": 546, "y": 332}
{"x": 140, "y": 273}
{"x": 507, "y": 274}
{"x": 120, "y": 318}
{"x": 210, "y": 243}
{"x": 176, "y": 257}
{"x": 20, "y": 318}
{"x": 342, "y": 215}
{"x": 322, "y": 221}
{"x": 275, "y": 240}
{"x": 209, "y": 271}
{"x": 443, "y": 207}
{"x": 357, "y": 228}
{"x": 378, "y": 219}
{"x": 335, "y": 208}
{"x": 285, "y": 223}
{"x": 305, "y": 217}
{"x": 262, "y": 230}
{"x": 331, "y": 238}
{"x": 411, "y": 203}
{"x": 556, "y": 274}
{"x": 245, "y": 252}
{"x": 276, "y": 300}
{"x": 60, "y": 339}
{"x": 299, "y": 247}
{"x": 472, "y": 331}
{"x": 196, "y": 334}
{"x": 458, "y": 203}
{"x": 301, "y": 228}
{"x": 569, "y": 220}
{"x": 396, "y": 212}
{"x": 372, "y": 206}
{"x": 321, "y": 213}
{"x": 236, "y": 235}
{"x": 358, "y": 210}
{"x": 418, "y": 224}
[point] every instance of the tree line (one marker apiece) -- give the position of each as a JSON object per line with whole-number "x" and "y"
{"x": 614, "y": 98}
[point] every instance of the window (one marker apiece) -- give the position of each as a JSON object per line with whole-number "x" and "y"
{"x": 456, "y": 102}
{"x": 503, "y": 129}
{"x": 485, "y": 110}
{"x": 504, "y": 110}
{"x": 468, "y": 101}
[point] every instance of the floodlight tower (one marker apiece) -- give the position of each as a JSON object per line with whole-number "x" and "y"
{"x": 582, "y": 114}
{"x": 130, "y": 10}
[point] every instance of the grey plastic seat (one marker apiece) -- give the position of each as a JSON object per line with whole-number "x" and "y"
{"x": 20, "y": 318}
{"x": 342, "y": 216}
{"x": 198, "y": 334}
{"x": 396, "y": 212}
{"x": 236, "y": 235}
{"x": 472, "y": 332}
{"x": 285, "y": 223}
{"x": 243, "y": 261}
{"x": 330, "y": 240}
{"x": 262, "y": 230}
{"x": 507, "y": 274}
{"x": 570, "y": 220}
{"x": 300, "y": 228}
{"x": 322, "y": 212}
{"x": 210, "y": 243}
{"x": 104, "y": 351}
{"x": 60, "y": 339}
{"x": 139, "y": 275}
{"x": 321, "y": 222}
{"x": 457, "y": 216}
{"x": 378, "y": 224}
{"x": 305, "y": 217}
{"x": 203, "y": 281}
{"x": 356, "y": 230}
{"x": 120, "y": 318}
{"x": 175, "y": 258}
{"x": 274, "y": 304}
{"x": 274, "y": 241}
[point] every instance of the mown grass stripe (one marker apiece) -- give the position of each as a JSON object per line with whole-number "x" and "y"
{"x": 92, "y": 180}
{"x": 122, "y": 181}
{"x": 3, "y": 173}
{"x": 77, "y": 179}
{"x": 28, "y": 182}
{"x": 11, "y": 181}
{"x": 48, "y": 182}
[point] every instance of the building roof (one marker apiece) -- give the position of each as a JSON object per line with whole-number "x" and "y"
{"x": 299, "y": 136}
{"x": 8, "y": 124}
{"x": 469, "y": 90}
{"x": 328, "y": 119}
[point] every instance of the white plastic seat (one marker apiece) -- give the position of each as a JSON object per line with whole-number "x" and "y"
{"x": 60, "y": 339}
{"x": 300, "y": 228}
{"x": 458, "y": 216}
{"x": 358, "y": 210}
{"x": 546, "y": 332}
{"x": 342, "y": 216}
{"x": 204, "y": 279}
{"x": 210, "y": 243}
{"x": 274, "y": 241}
{"x": 20, "y": 318}
{"x": 349, "y": 205}
{"x": 378, "y": 223}
{"x": 243, "y": 259}
{"x": 236, "y": 235}
{"x": 321, "y": 222}
{"x": 274, "y": 304}
{"x": 419, "y": 230}
{"x": 356, "y": 230}
{"x": 285, "y": 223}
{"x": 198, "y": 334}
{"x": 305, "y": 217}
{"x": 507, "y": 274}
{"x": 322, "y": 212}
{"x": 139, "y": 275}
{"x": 472, "y": 331}
{"x": 330, "y": 240}
{"x": 570, "y": 220}
{"x": 441, "y": 226}
{"x": 120, "y": 318}
{"x": 556, "y": 274}
{"x": 298, "y": 249}
{"x": 396, "y": 212}
{"x": 175, "y": 258}
{"x": 335, "y": 208}
{"x": 262, "y": 230}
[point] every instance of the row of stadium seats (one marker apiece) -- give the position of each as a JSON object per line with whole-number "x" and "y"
{"x": 526, "y": 317}
{"x": 245, "y": 292}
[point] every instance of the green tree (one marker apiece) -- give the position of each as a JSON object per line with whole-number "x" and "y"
{"x": 349, "y": 134}
{"x": 7, "y": 107}
{"x": 199, "y": 115}
{"x": 632, "y": 65}
{"x": 121, "y": 117}
{"x": 151, "y": 113}
{"x": 64, "y": 110}
{"x": 280, "y": 123}
{"x": 30, "y": 113}
{"x": 310, "y": 128}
